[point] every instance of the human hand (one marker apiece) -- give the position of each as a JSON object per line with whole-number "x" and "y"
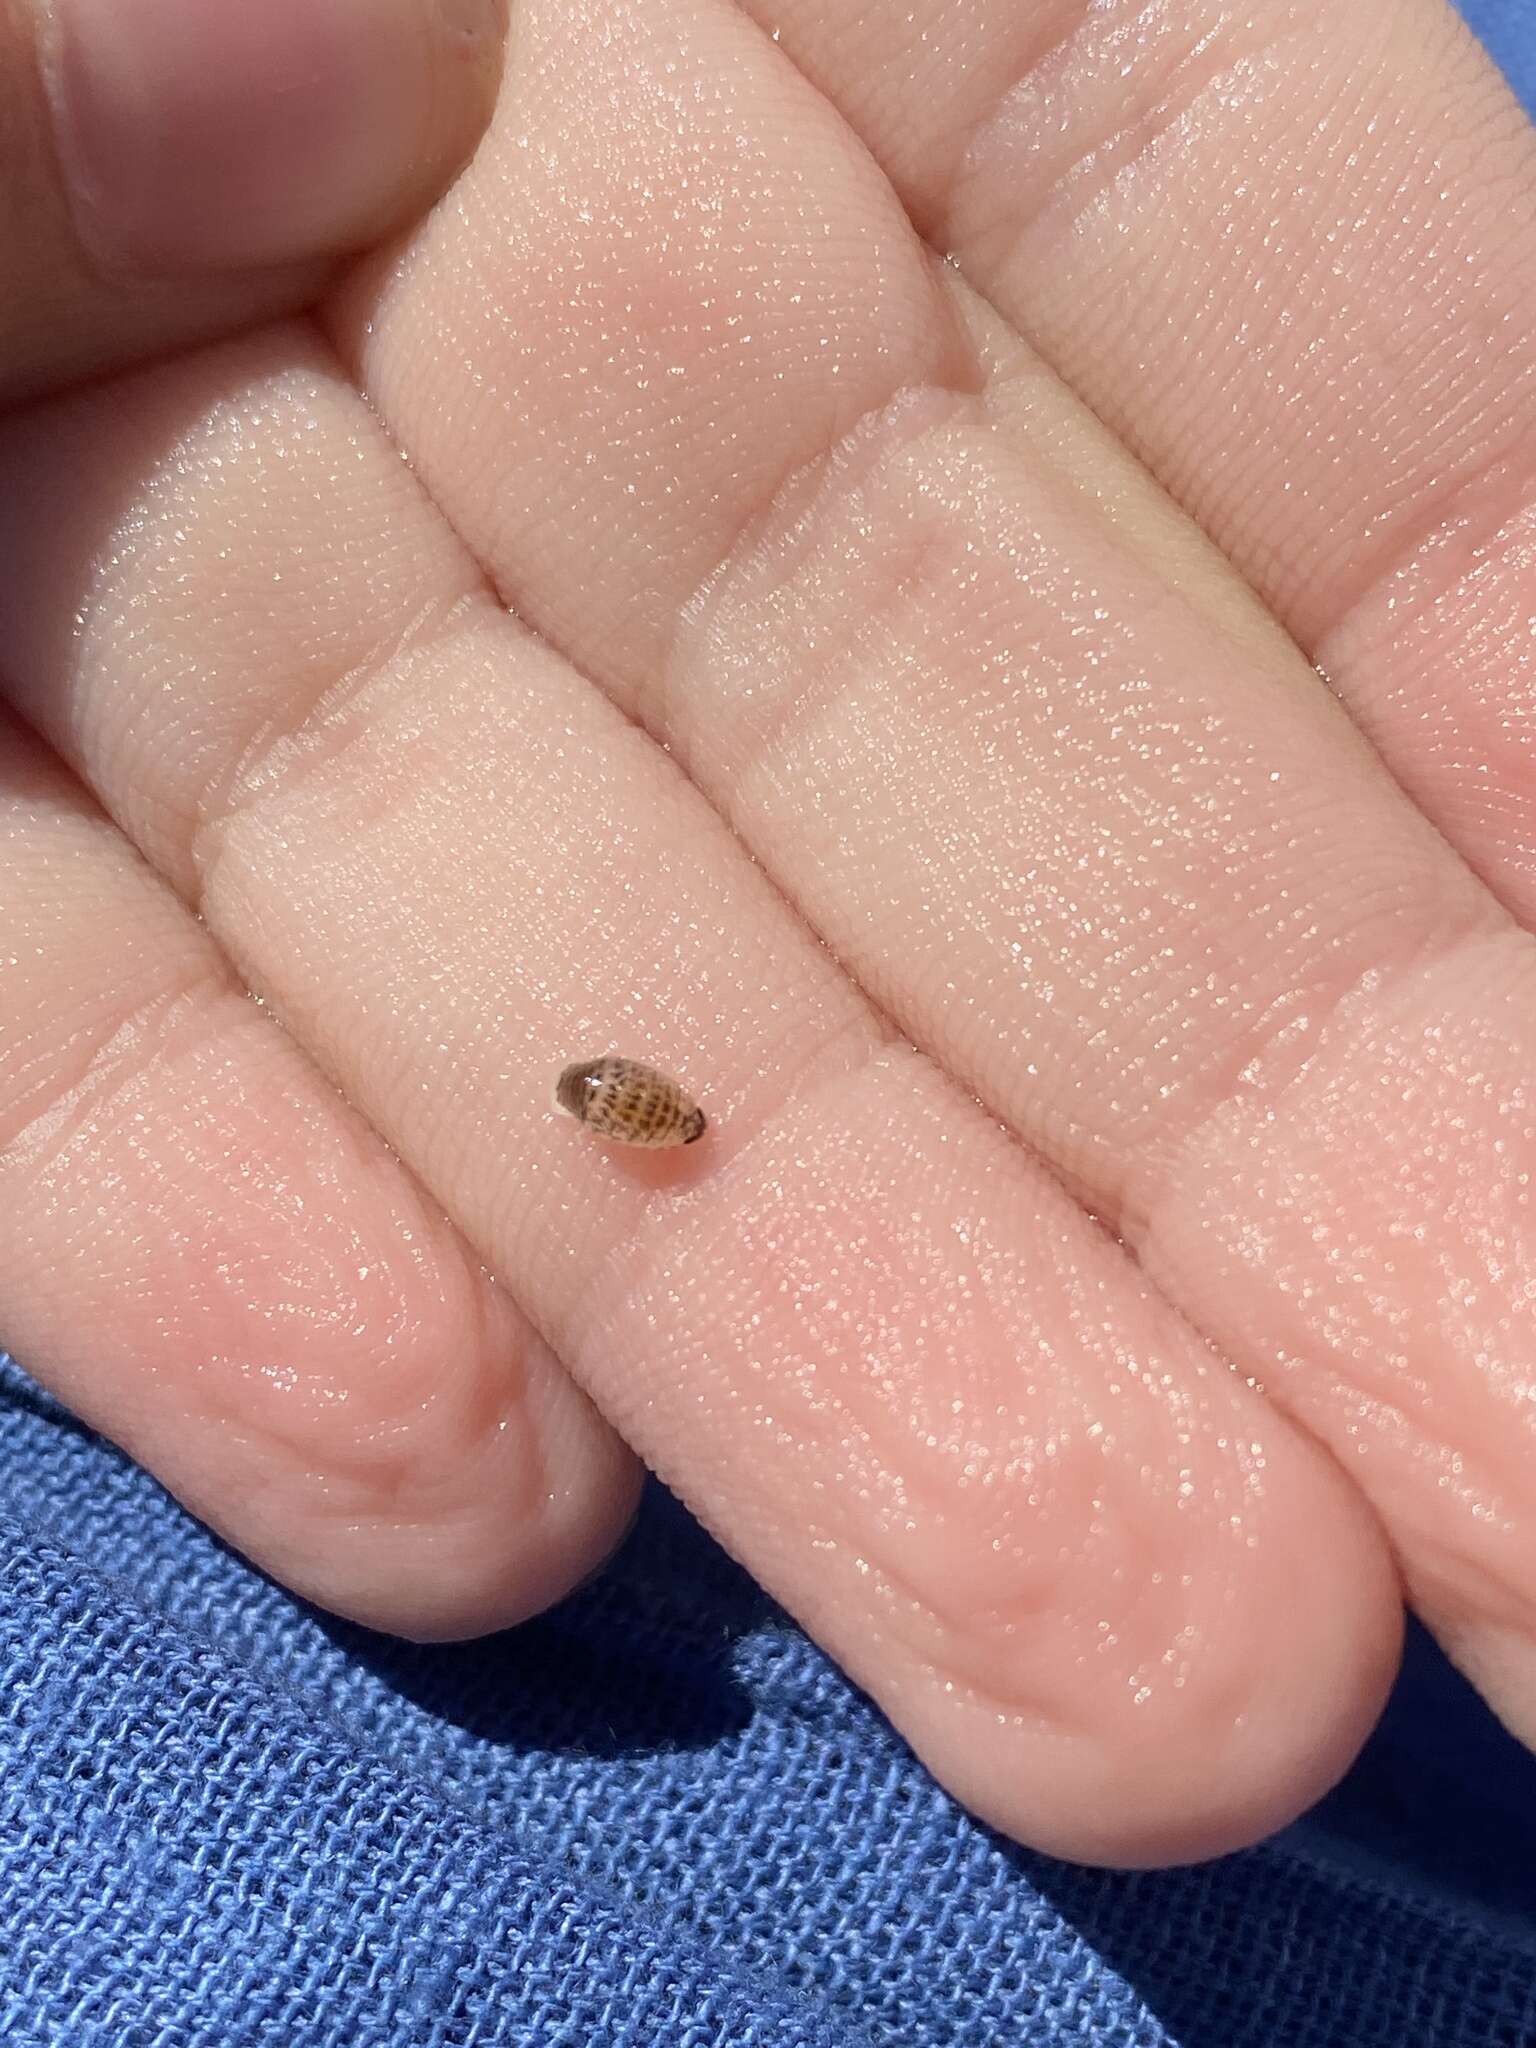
{"x": 1053, "y": 814}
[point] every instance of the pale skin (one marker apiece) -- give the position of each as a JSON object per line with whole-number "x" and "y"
{"x": 844, "y": 632}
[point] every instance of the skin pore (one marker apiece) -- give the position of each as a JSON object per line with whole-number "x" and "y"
{"x": 880, "y": 485}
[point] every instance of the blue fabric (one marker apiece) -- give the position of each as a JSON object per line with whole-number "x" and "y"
{"x": 657, "y": 1818}
{"x": 1508, "y": 28}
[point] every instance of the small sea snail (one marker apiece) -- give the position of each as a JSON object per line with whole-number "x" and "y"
{"x": 634, "y": 1104}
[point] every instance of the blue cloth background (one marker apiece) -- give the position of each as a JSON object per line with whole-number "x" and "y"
{"x": 656, "y": 1818}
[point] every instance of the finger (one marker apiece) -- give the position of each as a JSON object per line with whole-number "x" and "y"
{"x": 1093, "y": 835}
{"x": 1288, "y": 253}
{"x": 217, "y": 1263}
{"x": 171, "y": 168}
{"x": 930, "y": 1404}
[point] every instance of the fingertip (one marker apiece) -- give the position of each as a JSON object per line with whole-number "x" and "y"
{"x": 1188, "y": 1696}
{"x": 447, "y": 1582}
{"x": 1228, "y": 1781}
{"x": 216, "y": 138}
{"x": 1275, "y": 1674}
{"x": 462, "y": 1499}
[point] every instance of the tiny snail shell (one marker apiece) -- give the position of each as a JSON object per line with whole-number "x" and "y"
{"x": 631, "y": 1103}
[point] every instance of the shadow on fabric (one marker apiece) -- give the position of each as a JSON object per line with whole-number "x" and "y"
{"x": 550, "y": 1683}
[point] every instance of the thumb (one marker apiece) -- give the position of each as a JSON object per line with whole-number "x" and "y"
{"x": 173, "y": 168}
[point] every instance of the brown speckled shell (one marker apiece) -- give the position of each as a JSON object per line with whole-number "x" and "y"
{"x": 630, "y": 1103}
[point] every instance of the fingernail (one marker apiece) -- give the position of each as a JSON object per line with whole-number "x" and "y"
{"x": 218, "y": 134}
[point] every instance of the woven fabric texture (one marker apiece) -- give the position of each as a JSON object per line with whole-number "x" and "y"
{"x": 656, "y": 1818}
